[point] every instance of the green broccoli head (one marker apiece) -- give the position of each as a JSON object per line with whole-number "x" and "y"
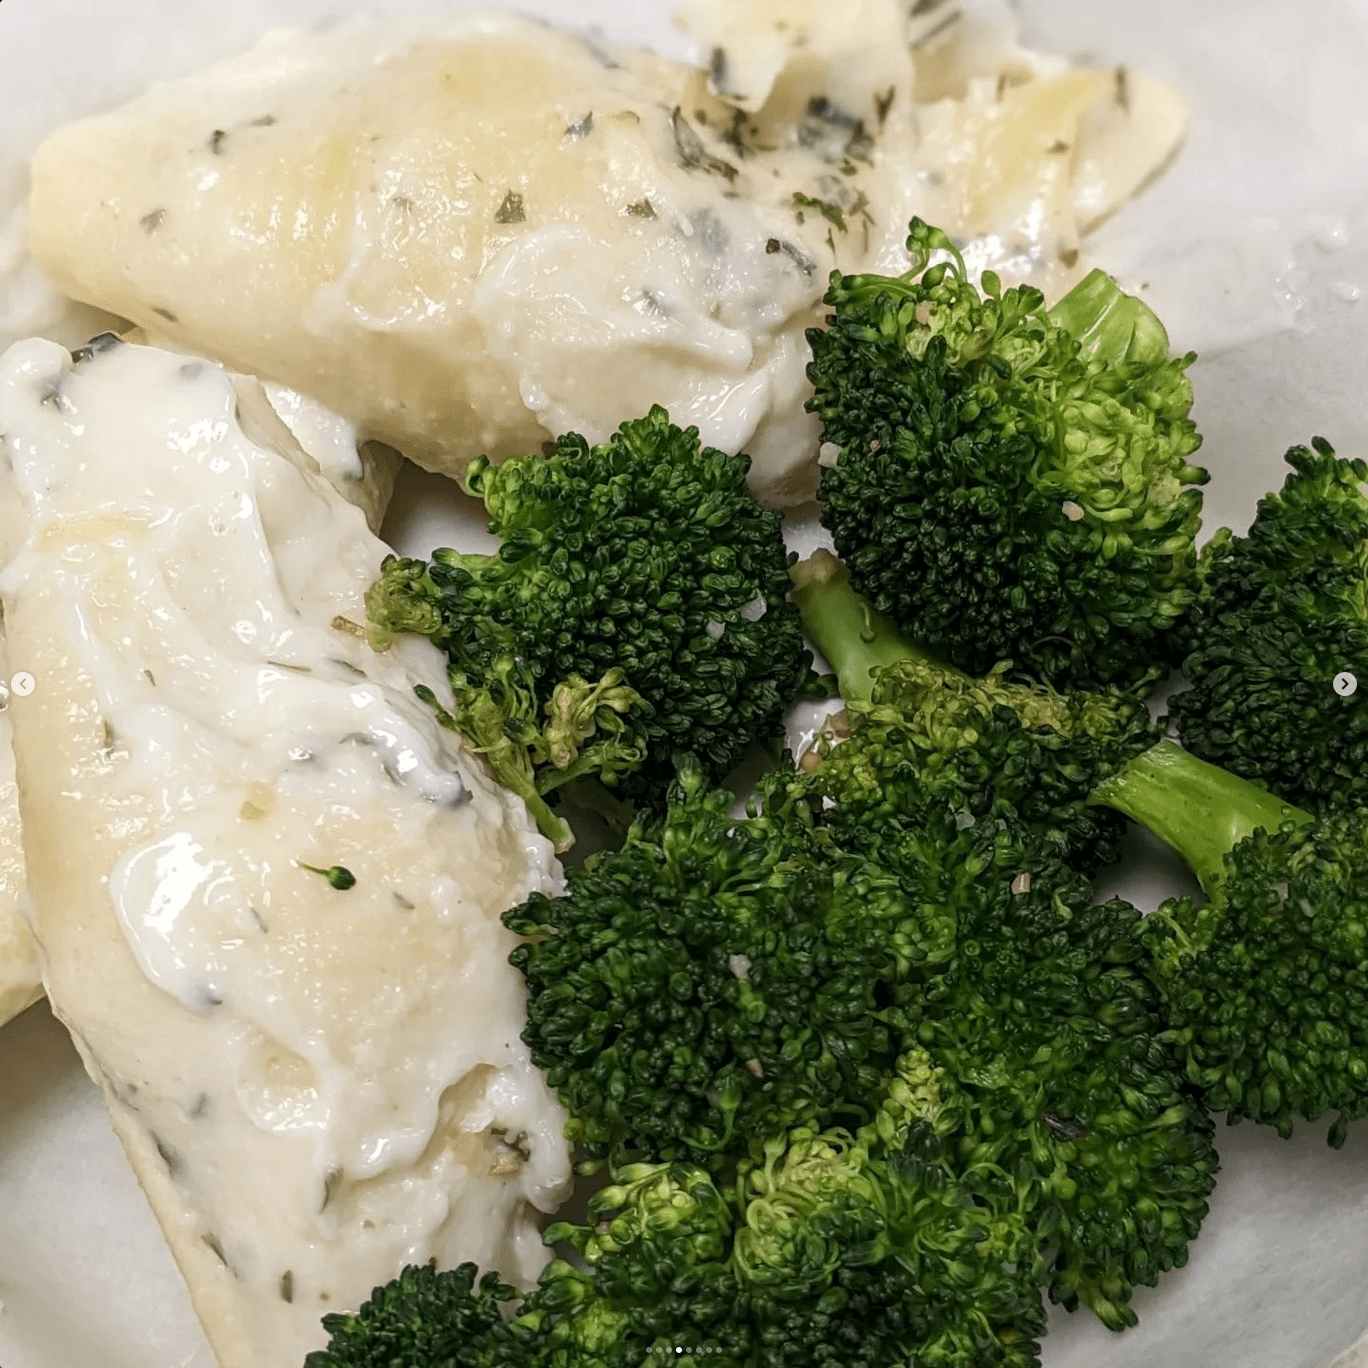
{"x": 1009, "y": 482}
{"x": 922, "y": 734}
{"x": 694, "y": 992}
{"x": 658, "y": 1278}
{"x": 878, "y": 1247}
{"x": 1264, "y": 983}
{"x": 1046, "y": 1018}
{"x": 658, "y": 1243}
{"x": 645, "y": 557}
{"x": 423, "y": 1319}
{"x": 1283, "y": 611}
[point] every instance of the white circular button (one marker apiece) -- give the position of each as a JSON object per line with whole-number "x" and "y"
{"x": 23, "y": 683}
{"x": 1345, "y": 684}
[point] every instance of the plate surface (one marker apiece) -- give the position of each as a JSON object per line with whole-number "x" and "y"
{"x": 1253, "y": 246}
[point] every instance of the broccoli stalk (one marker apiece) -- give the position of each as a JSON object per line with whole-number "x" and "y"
{"x": 1202, "y": 811}
{"x": 995, "y": 749}
{"x": 1009, "y": 480}
{"x": 1110, "y": 326}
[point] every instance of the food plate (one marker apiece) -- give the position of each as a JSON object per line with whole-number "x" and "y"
{"x": 1253, "y": 247}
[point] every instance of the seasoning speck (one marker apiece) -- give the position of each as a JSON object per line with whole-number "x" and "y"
{"x": 755, "y": 1067}
{"x": 287, "y": 1286}
{"x": 828, "y": 455}
{"x": 739, "y": 965}
{"x": 511, "y": 210}
{"x": 1123, "y": 88}
{"x": 165, "y": 313}
{"x": 642, "y": 208}
{"x": 216, "y": 139}
{"x": 1021, "y": 884}
{"x": 693, "y": 156}
{"x": 1071, "y": 511}
{"x": 149, "y": 223}
{"x": 344, "y": 624}
{"x": 581, "y": 128}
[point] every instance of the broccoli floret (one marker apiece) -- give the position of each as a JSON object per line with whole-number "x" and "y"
{"x": 924, "y": 733}
{"x": 834, "y": 1250}
{"x": 1009, "y": 482}
{"x": 1283, "y": 611}
{"x": 642, "y": 563}
{"x": 423, "y": 1319}
{"x": 974, "y": 796}
{"x": 856, "y": 1248}
{"x": 1260, "y": 985}
{"x": 1263, "y": 983}
{"x": 698, "y": 990}
{"x": 658, "y": 1248}
{"x": 1039, "y": 1006}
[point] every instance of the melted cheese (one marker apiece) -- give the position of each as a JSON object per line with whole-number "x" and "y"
{"x": 314, "y": 1085}
{"x": 471, "y": 236}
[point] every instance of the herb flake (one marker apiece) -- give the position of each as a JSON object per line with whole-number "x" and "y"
{"x": 693, "y": 156}
{"x": 338, "y": 876}
{"x": 831, "y": 212}
{"x": 511, "y": 210}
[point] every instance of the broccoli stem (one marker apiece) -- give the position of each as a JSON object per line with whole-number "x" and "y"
{"x": 1110, "y": 325}
{"x": 1202, "y": 811}
{"x": 855, "y": 640}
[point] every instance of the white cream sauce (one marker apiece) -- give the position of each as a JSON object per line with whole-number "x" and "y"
{"x": 316, "y": 1085}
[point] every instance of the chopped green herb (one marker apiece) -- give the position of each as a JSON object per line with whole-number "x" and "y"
{"x": 693, "y": 156}
{"x": 511, "y": 210}
{"x": 831, "y": 212}
{"x": 338, "y": 876}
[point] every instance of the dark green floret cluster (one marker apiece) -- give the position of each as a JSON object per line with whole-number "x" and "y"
{"x": 1264, "y": 984}
{"x": 1010, "y": 482}
{"x": 636, "y": 605}
{"x": 1283, "y": 612}
{"x": 700, "y": 986}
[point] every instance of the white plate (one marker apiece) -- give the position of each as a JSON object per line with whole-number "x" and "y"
{"x": 1250, "y": 246}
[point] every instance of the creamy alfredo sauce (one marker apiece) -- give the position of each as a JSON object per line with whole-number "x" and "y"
{"x": 467, "y": 236}
{"x": 316, "y": 1085}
